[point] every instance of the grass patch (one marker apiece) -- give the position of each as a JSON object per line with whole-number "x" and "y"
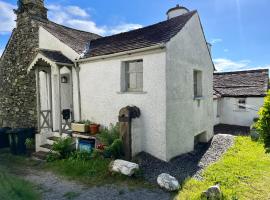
{"x": 93, "y": 172}
{"x": 243, "y": 173}
{"x": 14, "y": 188}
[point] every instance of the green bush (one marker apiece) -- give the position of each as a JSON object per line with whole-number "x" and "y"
{"x": 108, "y": 135}
{"x": 115, "y": 150}
{"x": 30, "y": 143}
{"x": 64, "y": 147}
{"x": 263, "y": 123}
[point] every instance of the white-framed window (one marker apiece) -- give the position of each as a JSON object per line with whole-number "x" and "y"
{"x": 241, "y": 104}
{"x": 133, "y": 72}
{"x": 197, "y": 83}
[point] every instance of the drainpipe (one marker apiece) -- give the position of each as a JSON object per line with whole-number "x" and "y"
{"x": 77, "y": 69}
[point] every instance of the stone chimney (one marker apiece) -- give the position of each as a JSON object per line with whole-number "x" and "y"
{"x": 176, "y": 11}
{"x": 34, "y": 9}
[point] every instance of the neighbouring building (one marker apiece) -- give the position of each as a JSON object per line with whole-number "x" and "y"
{"x": 164, "y": 69}
{"x": 239, "y": 95}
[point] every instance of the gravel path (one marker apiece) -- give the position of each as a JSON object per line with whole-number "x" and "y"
{"x": 187, "y": 165}
{"x": 56, "y": 188}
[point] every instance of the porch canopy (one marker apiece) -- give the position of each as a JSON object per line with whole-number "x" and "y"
{"x": 47, "y": 65}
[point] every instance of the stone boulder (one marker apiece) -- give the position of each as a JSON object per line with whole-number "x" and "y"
{"x": 123, "y": 167}
{"x": 212, "y": 193}
{"x": 168, "y": 182}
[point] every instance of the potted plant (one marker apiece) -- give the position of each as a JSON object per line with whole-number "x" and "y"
{"x": 30, "y": 145}
{"x": 81, "y": 126}
{"x": 94, "y": 128}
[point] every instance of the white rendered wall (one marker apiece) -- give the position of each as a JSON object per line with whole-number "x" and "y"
{"x": 101, "y": 98}
{"x": 187, "y": 117}
{"x": 49, "y": 41}
{"x": 230, "y": 113}
{"x": 216, "y": 115}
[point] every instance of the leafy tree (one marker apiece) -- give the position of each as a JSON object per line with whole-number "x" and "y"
{"x": 263, "y": 124}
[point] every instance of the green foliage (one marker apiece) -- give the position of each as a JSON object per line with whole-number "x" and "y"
{"x": 14, "y": 188}
{"x": 263, "y": 123}
{"x": 108, "y": 135}
{"x": 86, "y": 122}
{"x": 30, "y": 143}
{"x": 64, "y": 147}
{"x": 80, "y": 155}
{"x": 115, "y": 150}
{"x": 51, "y": 157}
{"x": 243, "y": 173}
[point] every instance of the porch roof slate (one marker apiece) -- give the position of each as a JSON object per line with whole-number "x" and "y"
{"x": 140, "y": 38}
{"x": 75, "y": 39}
{"x": 249, "y": 83}
{"x": 55, "y": 56}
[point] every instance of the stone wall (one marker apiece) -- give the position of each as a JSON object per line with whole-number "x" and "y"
{"x": 17, "y": 88}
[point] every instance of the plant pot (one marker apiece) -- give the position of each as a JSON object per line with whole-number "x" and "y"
{"x": 81, "y": 128}
{"x": 94, "y": 128}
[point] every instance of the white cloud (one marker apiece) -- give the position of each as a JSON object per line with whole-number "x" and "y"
{"x": 216, "y": 40}
{"x": 223, "y": 64}
{"x": 1, "y": 52}
{"x": 76, "y": 17}
{"x": 124, "y": 28}
{"x": 7, "y": 17}
{"x": 76, "y": 11}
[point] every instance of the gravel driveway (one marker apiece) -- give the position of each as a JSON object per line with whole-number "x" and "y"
{"x": 53, "y": 187}
{"x": 187, "y": 165}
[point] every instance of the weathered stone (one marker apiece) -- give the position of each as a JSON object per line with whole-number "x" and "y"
{"x": 17, "y": 88}
{"x": 212, "y": 193}
{"x": 123, "y": 167}
{"x": 168, "y": 182}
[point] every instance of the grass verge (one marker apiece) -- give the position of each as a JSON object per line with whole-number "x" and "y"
{"x": 93, "y": 172}
{"x": 14, "y": 188}
{"x": 243, "y": 173}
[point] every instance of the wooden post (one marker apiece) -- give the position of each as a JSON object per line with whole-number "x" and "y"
{"x": 59, "y": 99}
{"x": 72, "y": 103}
{"x": 38, "y": 98}
{"x": 50, "y": 98}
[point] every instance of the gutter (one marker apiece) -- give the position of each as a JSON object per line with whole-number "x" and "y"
{"x": 77, "y": 69}
{"x": 159, "y": 46}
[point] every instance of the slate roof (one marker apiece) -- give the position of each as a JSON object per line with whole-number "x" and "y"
{"x": 250, "y": 83}
{"x": 55, "y": 56}
{"x": 145, "y": 37}
{"x": 75, "y": 39}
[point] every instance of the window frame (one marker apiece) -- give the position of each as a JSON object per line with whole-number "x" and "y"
{"x": 242, "y": 106}
{"x": 197, "y": 84}
{"x": 138, "y": 74}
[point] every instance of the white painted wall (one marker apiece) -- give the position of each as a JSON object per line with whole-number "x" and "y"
{"x": 49, "y": 41}
{"x": 187, "y": 117}
{"x": 216, "y": 108}
{"x": 100, "y": 83}
{"x": 230, "y": 114}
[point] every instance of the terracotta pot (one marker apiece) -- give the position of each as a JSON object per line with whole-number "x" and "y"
{"x": 94, "y": 128}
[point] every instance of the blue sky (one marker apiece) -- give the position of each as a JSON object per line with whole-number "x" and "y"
{"x": 238, "y": 29}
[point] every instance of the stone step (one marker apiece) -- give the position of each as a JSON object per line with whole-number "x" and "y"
{"x": 52, "y": 140}
{"x": 40, "y": 155}
{"x": 46, "y": 147}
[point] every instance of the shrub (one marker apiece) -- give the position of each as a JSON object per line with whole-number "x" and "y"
{"x": 108, "y": 135}
{"x": 63, "y": 147}
{"x": 115, "y": 150}
{"x": 30, "y": 143}
{"x": 263, "y": 123}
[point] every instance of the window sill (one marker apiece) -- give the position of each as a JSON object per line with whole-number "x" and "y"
{"x": 142, "y": 92}
{"x": 198, "y": 98}
{"x": 240, "y": 110}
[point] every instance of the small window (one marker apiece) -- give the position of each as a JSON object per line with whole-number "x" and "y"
{"x": 242, "y": 104}
{"x": 197, "y": 83}
{"x": 134, "y": 76}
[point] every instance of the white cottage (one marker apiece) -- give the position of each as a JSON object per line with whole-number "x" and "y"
{"x": 239, "y": 95}
{"x": 164, "y": 69}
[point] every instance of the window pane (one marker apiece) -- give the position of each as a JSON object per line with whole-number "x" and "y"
{"x": 132, "y": 81}
{"x": 139, "y": 81}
